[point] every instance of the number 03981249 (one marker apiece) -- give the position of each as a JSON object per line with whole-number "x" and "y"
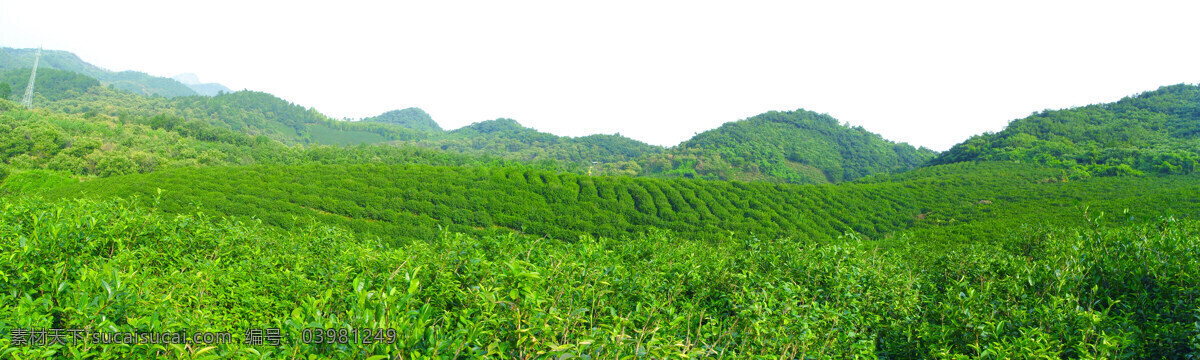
{"x": 348, "y": 336}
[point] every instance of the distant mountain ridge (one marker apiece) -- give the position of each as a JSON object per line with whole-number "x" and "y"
{"x": 207, "y": 89}
{"x": 136, "y": 82}
{"x": 793, "y": 146}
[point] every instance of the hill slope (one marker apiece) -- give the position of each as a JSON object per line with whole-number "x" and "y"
{"x": 1153, "y": 132}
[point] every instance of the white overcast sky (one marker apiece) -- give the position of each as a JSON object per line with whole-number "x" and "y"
{"x": 931, "y": 73}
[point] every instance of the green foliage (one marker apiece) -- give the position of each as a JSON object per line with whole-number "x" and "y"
{"x": 32, "y": 181}
{"x": 5, "y": 90}
{"x": 1154, "y": 132}
{"x": 1084, "y": 292}
{"x": 406, "y": 201}
{"x": 121, "y": 212}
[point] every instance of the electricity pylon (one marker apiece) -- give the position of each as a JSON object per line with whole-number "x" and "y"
{"x": 28, "y": 99}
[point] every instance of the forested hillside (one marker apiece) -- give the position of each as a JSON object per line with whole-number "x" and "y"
{"x": 1156, "y": 132}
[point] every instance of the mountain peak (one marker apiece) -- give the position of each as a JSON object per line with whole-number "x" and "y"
{"x": 497, "y": 125}
{"x": 187, "y": 79}
{"x": 193, "y": 82}
{"x": 805, "y": 147}
{"x": 412, "y": 118}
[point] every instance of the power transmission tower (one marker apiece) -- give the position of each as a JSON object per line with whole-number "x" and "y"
{"x": 28, "y": 99}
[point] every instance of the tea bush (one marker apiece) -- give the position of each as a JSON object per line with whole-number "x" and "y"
{"x": 1092, "y": 291}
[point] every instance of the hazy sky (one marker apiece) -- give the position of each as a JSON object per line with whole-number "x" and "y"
{"x": 928, "y": 73}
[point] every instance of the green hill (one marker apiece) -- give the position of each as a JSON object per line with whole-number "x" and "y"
{"x": 96, "y": 144}
{"x": 794, "y": 146}
{"x": 246, "y": 112}
{"x": 1153, "y": 132}
{"x": 412, "y": 118}
{"x": 508, "y": 138}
